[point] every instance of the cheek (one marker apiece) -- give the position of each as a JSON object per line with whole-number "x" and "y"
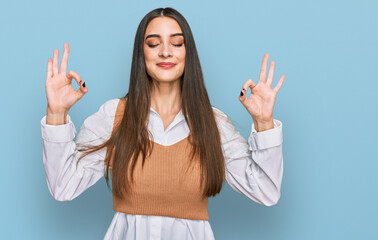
{"x": 182, "y": 55}
{"x": 147, "y": 56}
{"x": 149, "y": 60}
{"x": 183, "y": 64}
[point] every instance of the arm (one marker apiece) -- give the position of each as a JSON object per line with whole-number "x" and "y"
{"x": 253, "y": 168}
{"x": 256, "y": 168}
{"x": 64, "y": 180}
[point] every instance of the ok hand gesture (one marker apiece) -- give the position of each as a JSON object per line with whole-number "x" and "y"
{"x": 61, "y": 96}
{"x": 261, "y": 102}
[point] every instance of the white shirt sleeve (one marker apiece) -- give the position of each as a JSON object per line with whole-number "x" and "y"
{"x": 64, "y": 180}
{"x": 253, "y": 168}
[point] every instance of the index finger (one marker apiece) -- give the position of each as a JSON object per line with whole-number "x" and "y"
{"x": 49, "y": 69}
{"x": 263, "y": 68}
{"x": 64, "y": 62}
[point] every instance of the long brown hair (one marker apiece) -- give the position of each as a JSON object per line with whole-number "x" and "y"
{"x": 131, "y": 137}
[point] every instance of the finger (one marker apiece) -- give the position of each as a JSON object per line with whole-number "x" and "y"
{"x": 263, "y": 68}
{"x": 64, "y": 62}
{"x": 271, "y": 73}
{"x": 279, "y": 84}
{"x": 248, "y": 84}
{"x": 49, "y": 68}
{"x": 71, "y": 74}
{"x": 55, "y": 61}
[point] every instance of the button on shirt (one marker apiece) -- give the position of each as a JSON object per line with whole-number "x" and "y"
{"x": 253, "y": 168}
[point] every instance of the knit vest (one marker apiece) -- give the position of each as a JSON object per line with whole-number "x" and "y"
{"x": 164, "y": 186}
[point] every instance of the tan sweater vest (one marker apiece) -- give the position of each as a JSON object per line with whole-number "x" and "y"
{"x": 163, "y": 187}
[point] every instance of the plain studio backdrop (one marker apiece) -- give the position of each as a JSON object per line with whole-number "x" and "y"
{"x": 327, "y": 104}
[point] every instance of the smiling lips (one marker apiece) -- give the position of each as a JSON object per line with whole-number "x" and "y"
{"x": 166, "y": 65}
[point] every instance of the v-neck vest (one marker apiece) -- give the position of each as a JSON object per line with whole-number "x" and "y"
{"x": 163, "y": 187}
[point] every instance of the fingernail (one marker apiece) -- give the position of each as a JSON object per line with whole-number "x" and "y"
{"x": 241, "y": 93}
{"x": 84, "y": 84}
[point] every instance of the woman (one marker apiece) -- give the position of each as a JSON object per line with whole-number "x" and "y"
{"x": 164, "y": 126}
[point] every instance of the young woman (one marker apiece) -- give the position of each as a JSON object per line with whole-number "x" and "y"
{"x": 166, "y": 148}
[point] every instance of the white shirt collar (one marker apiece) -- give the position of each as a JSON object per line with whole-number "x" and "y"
{"x": 178, "y": 119}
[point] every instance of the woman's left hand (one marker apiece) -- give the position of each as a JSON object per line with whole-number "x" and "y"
{"x": 261, "y": 102}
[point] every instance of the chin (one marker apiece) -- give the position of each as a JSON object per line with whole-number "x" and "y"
{"x": 166, "y": 78}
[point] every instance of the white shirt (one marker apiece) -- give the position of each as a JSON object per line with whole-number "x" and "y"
{"x": 253, "y": 168}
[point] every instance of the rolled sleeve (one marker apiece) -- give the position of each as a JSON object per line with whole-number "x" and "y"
{"x": 58, "y": 133}
{"x": 266, "y": 139}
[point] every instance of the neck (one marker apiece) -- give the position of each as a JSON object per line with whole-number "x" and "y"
{"x": 166, "y": 97}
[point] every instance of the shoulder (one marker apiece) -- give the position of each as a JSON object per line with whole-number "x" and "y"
{"x": 104, "y": 115}
{"x": 100, "y": 123}
{"x": 224, "y": 123}
{"x": 110, "y": 106}
{"x": 218, "y": 113}
{"x": 220, "y": 116}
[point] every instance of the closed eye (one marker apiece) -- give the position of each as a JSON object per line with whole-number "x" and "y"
{"x": 154, "y": 45}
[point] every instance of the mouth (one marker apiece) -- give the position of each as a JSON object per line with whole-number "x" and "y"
{"x": 166, "y": 65}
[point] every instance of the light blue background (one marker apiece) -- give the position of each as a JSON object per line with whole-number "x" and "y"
{"x": 328, "y": 106}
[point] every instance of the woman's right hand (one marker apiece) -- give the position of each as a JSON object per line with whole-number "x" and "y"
{"x": 61, "y": 96}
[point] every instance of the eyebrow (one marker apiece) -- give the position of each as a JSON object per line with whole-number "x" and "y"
{"x": 157, "y": 35}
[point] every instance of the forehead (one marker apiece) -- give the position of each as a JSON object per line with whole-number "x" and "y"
{"x": 163, "y": 26}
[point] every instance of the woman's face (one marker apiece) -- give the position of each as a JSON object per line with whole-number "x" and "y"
{"x": 164, "y": 49}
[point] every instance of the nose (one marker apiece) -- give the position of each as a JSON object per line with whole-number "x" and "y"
{"x": 165, "y": 50}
